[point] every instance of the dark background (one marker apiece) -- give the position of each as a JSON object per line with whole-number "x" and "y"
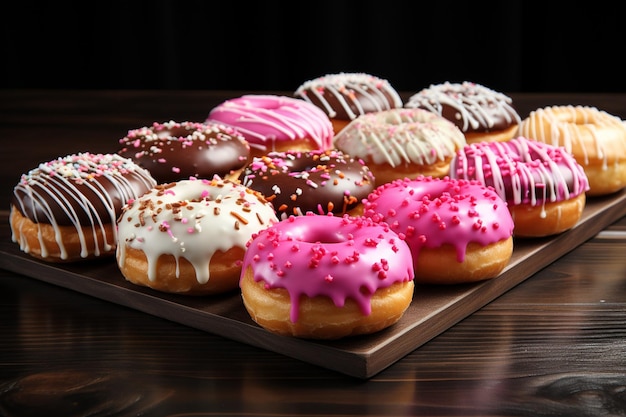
{"x": 512, "y": 46}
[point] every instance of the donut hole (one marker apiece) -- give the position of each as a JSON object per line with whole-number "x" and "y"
{"x": 325, "y": 237}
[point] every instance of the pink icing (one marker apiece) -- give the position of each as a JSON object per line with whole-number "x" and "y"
{"x": 430, "y": 212}
{"x": 263, "y": 119}
{"x": 339, "y": 257}
{"x": 522, "y": 171}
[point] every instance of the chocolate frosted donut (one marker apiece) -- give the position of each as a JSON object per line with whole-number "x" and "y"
{"x": 65, "y": 209}
{"x": 173, "y": 151}
{"x": 481, "y": 113}
{"x": 345, "y": 96}
{"x": 316, "y": 181}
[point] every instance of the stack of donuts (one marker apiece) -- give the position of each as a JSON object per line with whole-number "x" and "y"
{"x": 325, "y": 208}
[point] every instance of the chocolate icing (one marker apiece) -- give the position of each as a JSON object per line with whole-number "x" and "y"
{"x": 82, "y": 189}
{"x": 471, "y": 107}
{"x": 345, "y": 96}
{"x": 317, "y": 181}
{"x": 174, "y": 151}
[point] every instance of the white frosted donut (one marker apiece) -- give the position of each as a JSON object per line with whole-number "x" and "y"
{"x": 272, "y": 123}
{"x": 401, "y": 143}
{"x": 345, "y": 96}
{"x": 189, "y": 236}
{"x": 595, "y": 138}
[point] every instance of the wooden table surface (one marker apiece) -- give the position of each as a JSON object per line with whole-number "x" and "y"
{"x": 552, "y": 346}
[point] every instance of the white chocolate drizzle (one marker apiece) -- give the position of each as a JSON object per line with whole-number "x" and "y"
{"x": 59, "y": 185}
{"x": 400, "y": 136}
{"x": 470, "y": 102}
{"x": 346, "y": 88}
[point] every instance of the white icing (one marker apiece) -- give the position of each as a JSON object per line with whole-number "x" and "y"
{"x": 401, "y": 136}
{"x": 214, "y": 215}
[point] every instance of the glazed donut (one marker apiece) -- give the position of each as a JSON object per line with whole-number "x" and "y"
{"x": 345, "y": 96}
{"x": 188, "y": 237}
{"x": 316, "y": 181}
{"x": 272, "y": 123}
{"x": 326, "y": 277}
{"x": 458, "y": 231}
{"x": 65, "y": 209}
{"x": 542, "y": 184}
{"x": 596, "y": 139}
{"x": 481, "y": 113}
{"x": 173, "y": 151}
{"x": 401, "y": 143}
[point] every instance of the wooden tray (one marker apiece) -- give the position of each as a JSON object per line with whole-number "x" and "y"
{"x": 434, "y": 308}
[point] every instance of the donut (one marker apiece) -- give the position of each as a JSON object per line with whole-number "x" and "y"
{"x": 326, "y": 277}
{"x": 321, "y": 182}
{"x": 65, "y": 209}
{"x": 188, "y": 237}
{"x": 178, "y": 150}
{"x": 481, "y": 113}
{"x": 542, "y": 184}
{"x": 274, "y": 123}
{"x": 459, "y": 231}
{"x": 344, "y": 96}
{"x": 400, "y": 143}
{"x": 595, "y": 138}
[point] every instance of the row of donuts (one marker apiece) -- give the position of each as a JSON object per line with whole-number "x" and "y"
{"x": 208, "y": 236}
{"x": 177, "y": 201}
{"x": 313, "y": 276}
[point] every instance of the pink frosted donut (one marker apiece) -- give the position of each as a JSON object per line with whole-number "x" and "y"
{"x": 458, "y": 230}
{"x": 326, "y": 277}
{"x": 276, "y": 123}
{"x": 542, "y": 184}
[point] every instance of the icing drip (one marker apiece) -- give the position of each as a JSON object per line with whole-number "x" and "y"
{"x": 192, "y": 219}
{"x": 522, "y": 171}
{"x": 85, "y": 191}
{"x": 472, "y": 107}
{"x": 431, "y": 212}
{"x": 400, "y": 136}
{"x": 265, "y": 119}
{"x": 348, "y": 95}
{"x": 338, "y": 257}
